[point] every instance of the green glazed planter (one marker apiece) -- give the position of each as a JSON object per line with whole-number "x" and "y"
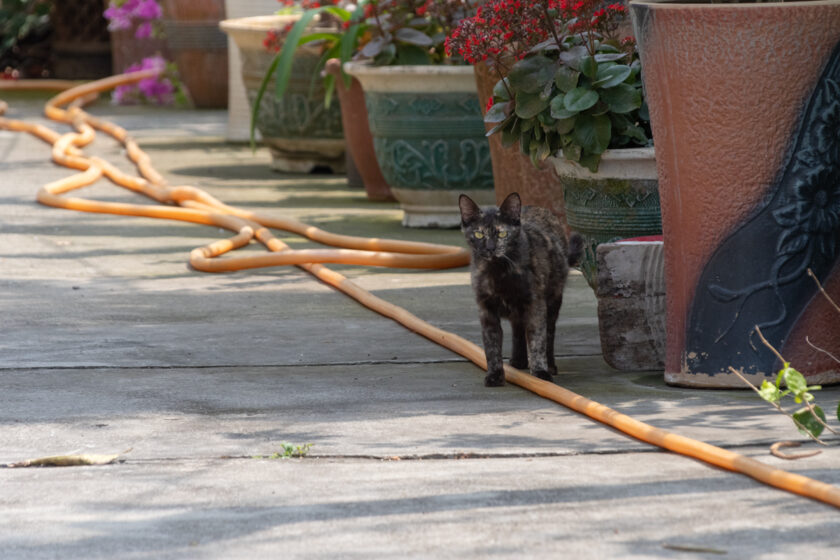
{"x": 429, "y": 138}
{"x": 620, "y": 201}
{"x": 300, "y": 132}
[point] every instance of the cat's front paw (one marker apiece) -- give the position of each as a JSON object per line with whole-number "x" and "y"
{"x": 542, "y": 374}
{"x": 494, "y": 379}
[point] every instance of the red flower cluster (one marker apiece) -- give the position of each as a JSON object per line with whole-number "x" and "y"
{"x": 274, "y": 38}
{"x": 502, "y": 28}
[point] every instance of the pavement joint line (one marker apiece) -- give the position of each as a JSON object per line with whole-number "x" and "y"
{"x": 453, "y": 360}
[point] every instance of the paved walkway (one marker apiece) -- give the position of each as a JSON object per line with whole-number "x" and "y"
{"x": 109, "y": 342}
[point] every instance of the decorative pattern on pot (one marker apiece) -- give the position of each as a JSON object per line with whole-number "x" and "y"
{"x": 620, "y": 201}
{"x": 301, "y": 133}
{"x": 737, "y": 253}
{"x": 429, "y": 138}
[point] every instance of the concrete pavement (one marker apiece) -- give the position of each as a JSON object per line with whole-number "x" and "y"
{"x": 109, "y": 342}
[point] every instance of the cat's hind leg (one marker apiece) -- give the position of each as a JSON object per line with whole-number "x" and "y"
{"x": 536, "y": 336}
{"x": 551, "y": 327}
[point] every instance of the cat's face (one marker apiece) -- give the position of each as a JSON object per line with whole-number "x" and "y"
{"x": 493, "y": 232}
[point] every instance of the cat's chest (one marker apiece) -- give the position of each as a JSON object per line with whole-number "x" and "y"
{"x": 506, "y": 291}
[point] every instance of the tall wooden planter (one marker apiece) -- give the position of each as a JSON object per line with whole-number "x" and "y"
{"x": 745, "y": 110}
{"x": 199, "y": 48}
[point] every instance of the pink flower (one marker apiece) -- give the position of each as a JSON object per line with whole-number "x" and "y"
{"x": 144, "y": 30}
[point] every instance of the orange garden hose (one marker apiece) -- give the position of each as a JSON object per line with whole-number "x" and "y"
{"x": 194, "y": 205}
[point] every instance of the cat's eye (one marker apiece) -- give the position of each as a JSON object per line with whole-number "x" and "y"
{"x": 478, "y": 234}
{"x": 502, "y": 234}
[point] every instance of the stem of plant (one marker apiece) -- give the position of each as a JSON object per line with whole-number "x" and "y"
{"x": 778, "y": 407}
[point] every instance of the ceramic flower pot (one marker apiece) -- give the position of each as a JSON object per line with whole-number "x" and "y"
{"x": 300, "y": 132}
{"x": 354, "y": 120}
{"x": 428, "y": 136}
{"x": 745, "y": 110}
{"x": 512, "y": 170}
{"x": 199, "y": 49}
{"x": 620, "y": 201}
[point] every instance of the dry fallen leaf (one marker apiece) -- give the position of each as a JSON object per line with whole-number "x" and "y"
{"x": 67, "y": 461}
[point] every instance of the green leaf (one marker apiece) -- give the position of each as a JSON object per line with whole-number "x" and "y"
{"x": 769, "y": 392}
{"x": 413, "y": 37}
{"x": 564, "y": 126}
{"x": 579, "y": 99}
{"x": 593, "y": 133}
{"x": 558, "y": 108}
{"x": 794, "y": 380}
{"x": 571, "y": 152}
{"x": 566, "y": 79}
{"x": 573, "y": 56}
{"x": 590, "y": 161}
{"x": 809, "y": 423}
{"x": 529, "y": 75}
{"x": 287, "y": 52}
{"x": 412, "y": 55}
{"x": 255, "y": 109}
{"x": 610, "y": 76}
{"x": 525, "y": 142}
{"x": 589, "y": 67}
{"x": 509, "y": 137}
{"x": 838, "y": 410}
{"x": 500, "y": 91}
{"x": 622, "y": 98}
{"x": 498, "y": 112}
{"x": 529, "y": 105}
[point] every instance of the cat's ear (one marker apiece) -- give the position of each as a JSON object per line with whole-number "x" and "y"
{"x": 469, "y": 209}
{"x": 511, "y": 207}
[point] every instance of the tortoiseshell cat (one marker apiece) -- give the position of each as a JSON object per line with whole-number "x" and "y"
{"x": 520, "y": 260}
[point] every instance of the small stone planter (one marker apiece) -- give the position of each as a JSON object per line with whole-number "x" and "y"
{"x": 429, "y": 138}
{"x": 300, "y": 131}
{"x": 620, "y": 201}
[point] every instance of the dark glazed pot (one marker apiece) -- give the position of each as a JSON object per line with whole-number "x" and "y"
{"x": 354, "y": 119}
{"x": 745, "y": 110}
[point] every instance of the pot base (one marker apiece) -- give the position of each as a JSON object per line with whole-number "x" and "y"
{"x": 306, "y": 156}
{"x": 438, "y": 208}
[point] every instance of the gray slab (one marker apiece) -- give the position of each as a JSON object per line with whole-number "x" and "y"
{"x": 110, "y": 342}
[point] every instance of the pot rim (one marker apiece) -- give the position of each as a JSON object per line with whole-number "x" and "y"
{"x": 427, "y": 77}
{"x": 619, "y": 163}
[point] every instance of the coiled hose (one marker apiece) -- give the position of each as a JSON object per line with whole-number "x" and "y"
{"x": 190, "y": 204}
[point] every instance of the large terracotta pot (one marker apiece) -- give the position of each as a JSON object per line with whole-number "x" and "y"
{"x": 620, "y": 201}
{"x": 199, "y": 48}
{"x": 428, "y": 135}
{"x": 745, "y": 110}
{"x": 300, "y": 131}
{"x": 354, "y": 119}
{"x": 513, "y": 171}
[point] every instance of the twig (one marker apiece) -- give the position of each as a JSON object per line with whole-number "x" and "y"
{"x": 826, "y": 352}
{"x": 775, "y": 451}
{"x": 828, "y": 297}
{"x": 778, "y": 407}
{"x": 768, "y": 345}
